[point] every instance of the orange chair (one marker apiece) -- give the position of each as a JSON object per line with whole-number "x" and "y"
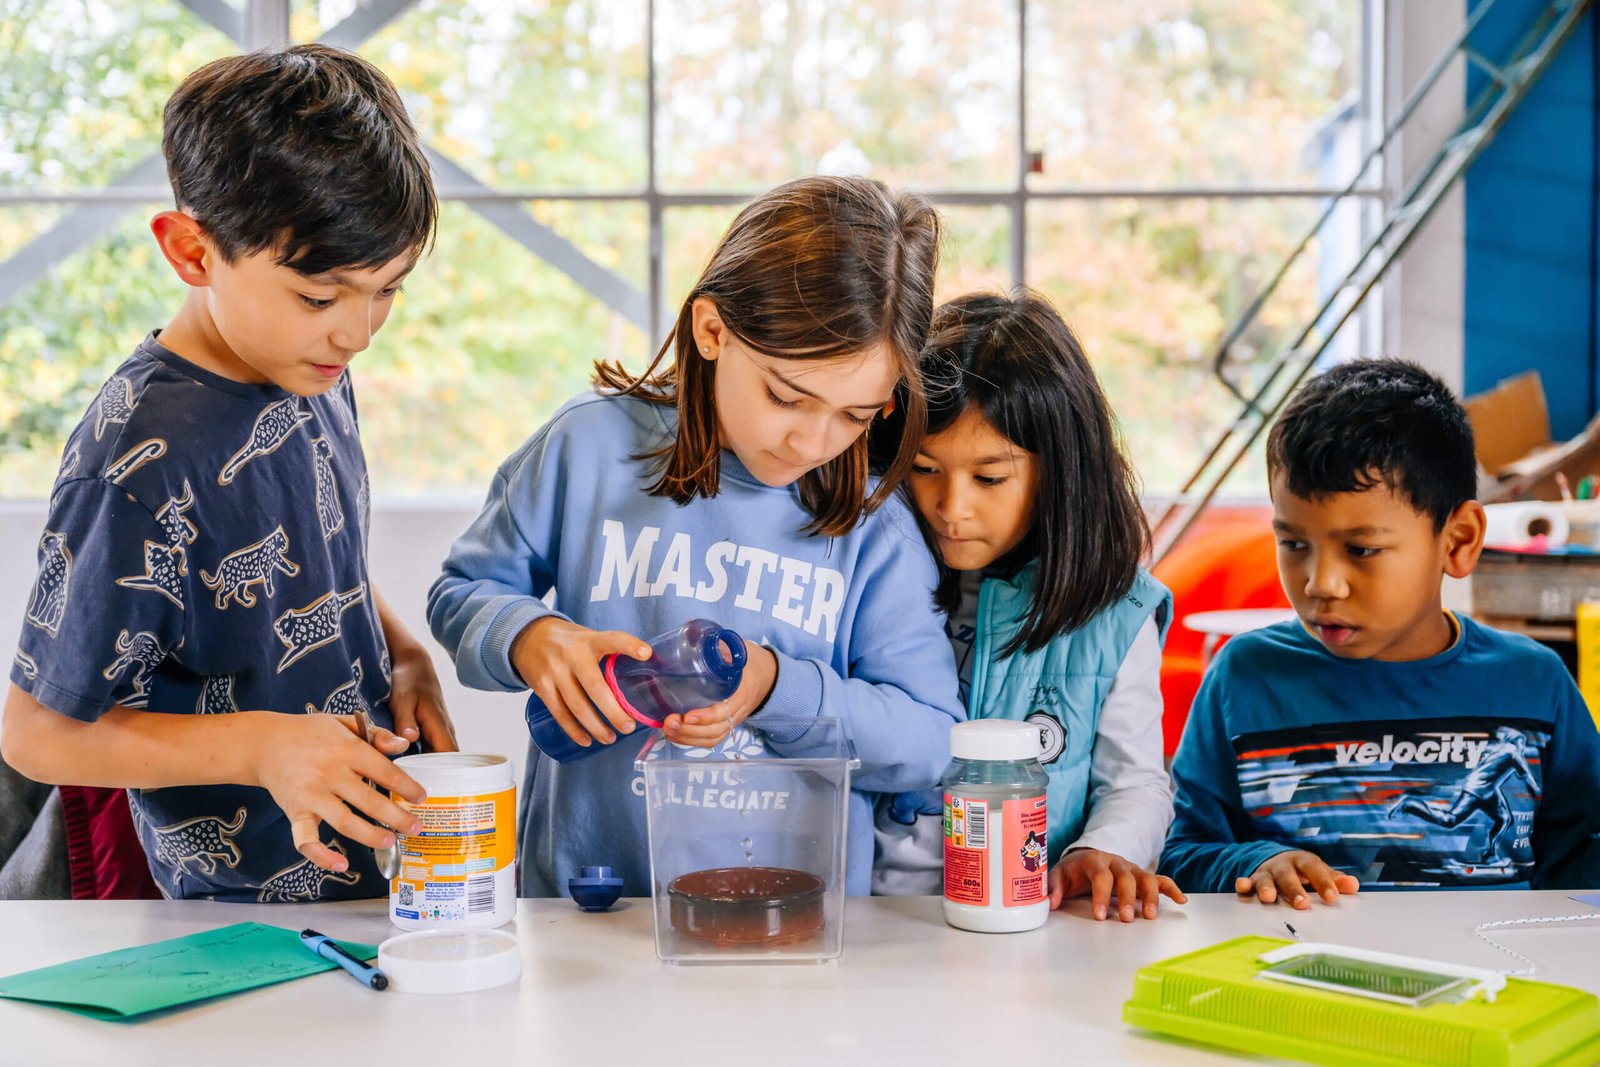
{"x": 1228, "y": 561}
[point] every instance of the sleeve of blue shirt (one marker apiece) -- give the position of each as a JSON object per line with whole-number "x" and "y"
{"x": 495, "y": 574}
{"x": 1209, "y": 845}
{"x": 1566, "y": 834}
{"x": 900, "y": 697}
{"x": 106, "y": 606}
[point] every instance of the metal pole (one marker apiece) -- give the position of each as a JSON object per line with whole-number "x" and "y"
{"x": 652, "y": 195}
{"x": 266, "y": 24}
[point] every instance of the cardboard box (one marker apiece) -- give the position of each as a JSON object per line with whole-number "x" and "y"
{"x": 1516, "y": 458}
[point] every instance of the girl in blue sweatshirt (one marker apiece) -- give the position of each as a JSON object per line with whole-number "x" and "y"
{"x": 1035, "y": 518}
{"x": 730, "y": 485}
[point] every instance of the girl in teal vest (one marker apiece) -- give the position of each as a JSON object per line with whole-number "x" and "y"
{"x": 1033, "y": 513}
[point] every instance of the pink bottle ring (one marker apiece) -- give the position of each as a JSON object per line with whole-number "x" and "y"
{"x": 616, "y": 690}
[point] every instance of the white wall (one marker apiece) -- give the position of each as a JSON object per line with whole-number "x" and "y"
{"x": 1424, "y": 294}
{"x": 409, "y": 541}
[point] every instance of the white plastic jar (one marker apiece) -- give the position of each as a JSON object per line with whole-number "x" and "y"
{"x": 995, "y": 821}
{"x": 460, "y": 869}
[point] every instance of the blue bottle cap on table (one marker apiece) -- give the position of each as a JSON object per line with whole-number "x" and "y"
{"x": 594, "y": 889}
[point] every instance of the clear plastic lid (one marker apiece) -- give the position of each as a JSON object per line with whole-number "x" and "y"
{"x": 450, "y": 961}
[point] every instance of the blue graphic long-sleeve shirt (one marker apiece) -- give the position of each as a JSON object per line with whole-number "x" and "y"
{"x": 1476, "y": 768}
{"x": 850, "y": 619}
{"x": 205, "y": 552}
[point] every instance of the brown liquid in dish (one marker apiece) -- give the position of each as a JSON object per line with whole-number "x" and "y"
{"x": 747, "y": 905}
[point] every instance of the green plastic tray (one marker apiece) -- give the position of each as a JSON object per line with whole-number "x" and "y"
{"x": 1215, "y": 996}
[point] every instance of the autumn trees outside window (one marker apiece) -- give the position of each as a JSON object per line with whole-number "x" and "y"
{"x": 1145, "y": 164}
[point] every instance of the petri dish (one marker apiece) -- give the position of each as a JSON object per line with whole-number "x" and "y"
{"x": 747, "y": 905}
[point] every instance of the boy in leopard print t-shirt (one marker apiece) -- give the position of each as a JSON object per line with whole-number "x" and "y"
{"x": 203, "y": 628}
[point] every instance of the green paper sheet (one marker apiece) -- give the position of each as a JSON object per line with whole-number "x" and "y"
{"x": 169, "y": 974}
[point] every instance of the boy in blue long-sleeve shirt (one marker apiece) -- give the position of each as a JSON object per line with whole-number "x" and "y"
{"x": 1379, "y": 740}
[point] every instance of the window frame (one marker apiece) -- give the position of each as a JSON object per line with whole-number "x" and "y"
{"x": 266, "y": 23}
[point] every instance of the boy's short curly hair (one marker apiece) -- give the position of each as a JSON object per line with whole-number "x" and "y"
{"x": 307, "y": 152}
{"x": 1379, "y": 421}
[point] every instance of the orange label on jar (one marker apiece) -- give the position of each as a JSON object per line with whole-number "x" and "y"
{"x": 463, "y": 840}
{"x": 1026, "y": 858}
{"x": 966, "y": 850}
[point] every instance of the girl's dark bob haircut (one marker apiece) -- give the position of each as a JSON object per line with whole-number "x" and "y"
{"x": 1013, "y": 360}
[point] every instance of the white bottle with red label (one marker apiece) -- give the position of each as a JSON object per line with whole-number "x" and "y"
{"x": 995, "y": 854}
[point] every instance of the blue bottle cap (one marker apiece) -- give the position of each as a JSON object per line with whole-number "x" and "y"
{"x": 718, "y": 642}
{"x": 594, "y": 889}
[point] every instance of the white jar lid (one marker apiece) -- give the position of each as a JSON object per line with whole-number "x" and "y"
{"x": 449, "y": 961}
{"x": 995, "y": 739}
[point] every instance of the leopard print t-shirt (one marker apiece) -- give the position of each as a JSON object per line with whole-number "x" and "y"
{"x": 206, "y": 552}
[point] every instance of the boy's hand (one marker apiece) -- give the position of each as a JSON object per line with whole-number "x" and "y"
{"x": 707, "y": 727}
{"x": 560, "y": 662}
{"x": 313, "y": 766}
{"x": 1102, "y": 874}
{"x": 1288, "y": 873}
{"x": 417, "y": 701}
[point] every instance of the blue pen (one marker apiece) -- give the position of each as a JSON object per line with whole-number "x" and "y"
{"x": 329, "y": 950}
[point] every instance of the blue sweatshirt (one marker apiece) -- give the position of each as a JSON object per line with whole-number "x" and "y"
{"x": 850, "y": 619}
{"x": 1476, "y": 768}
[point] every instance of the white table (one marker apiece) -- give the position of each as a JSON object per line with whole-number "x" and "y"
{"x": 1219, "y": 624}
{"x": 907, "y": 990}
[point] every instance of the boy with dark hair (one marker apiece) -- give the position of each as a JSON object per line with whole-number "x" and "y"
{"x": 1379, "y": 740}
{"x": 203, "y": 584}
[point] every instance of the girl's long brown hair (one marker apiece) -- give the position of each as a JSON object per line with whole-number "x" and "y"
{"x": 820, "y": 268}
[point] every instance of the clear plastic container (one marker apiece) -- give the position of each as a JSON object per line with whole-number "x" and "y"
{"x": 747, "y": 848}
{"x": 691, "y": 666}
{"x": 996, "y": 858}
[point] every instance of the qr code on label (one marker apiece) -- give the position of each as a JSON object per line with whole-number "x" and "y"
{"x": 407, "y": 893}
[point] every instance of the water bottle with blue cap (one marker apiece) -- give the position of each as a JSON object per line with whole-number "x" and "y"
{"x": 693, "y": 666}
